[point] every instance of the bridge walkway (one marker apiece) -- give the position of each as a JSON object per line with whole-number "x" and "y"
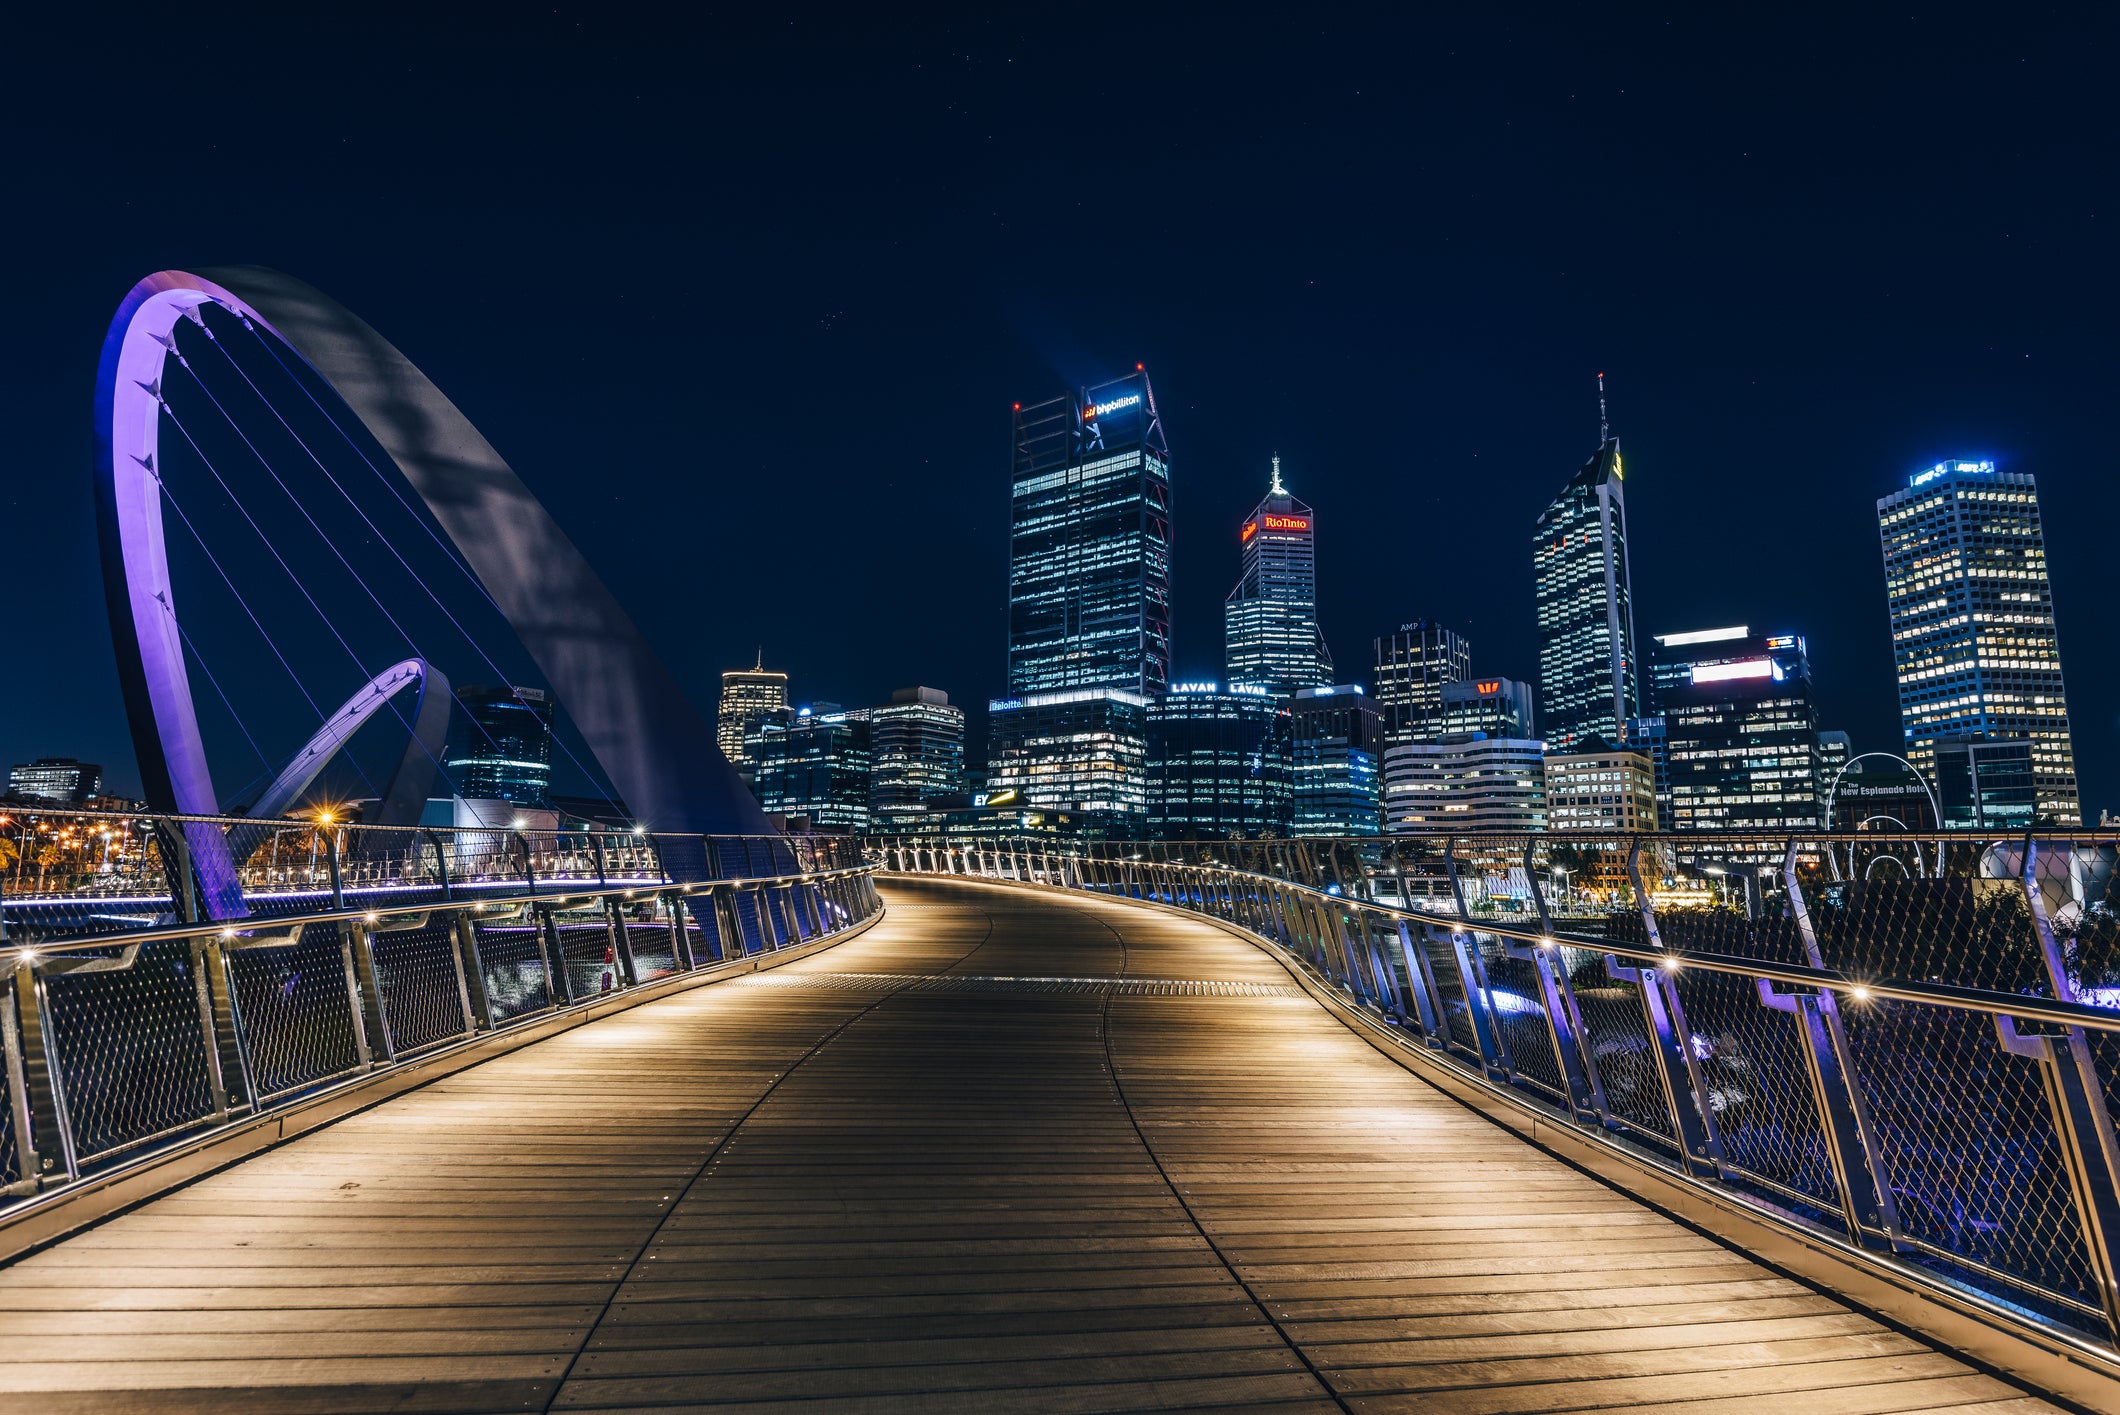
{"x": 918, "y": 1171}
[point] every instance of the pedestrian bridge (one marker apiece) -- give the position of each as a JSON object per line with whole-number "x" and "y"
{"x": 1008, "y": 1147}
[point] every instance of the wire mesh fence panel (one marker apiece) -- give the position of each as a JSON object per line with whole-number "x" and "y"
{"x": 132, "y": 1055}
{"x": 1968, "y": 1139}
{"x": 10, "y": 1151}
{"x": 512, "y": 957}
{"x": 585, "y": 945}
{"x": 1702, "y": 929}
{"x": 1454, "y": 1009}
{"x": 1752, "y": 1061}
{"x": 648, "y": 938}
{"x": 703, "y": 930}
{"x": 1520, "y": 1013}
{"x": 1970, "y": 930}
{"x": 748, "y": 923}
{"x": 416, "y": 970}
{"x": 1617, "y": 1035}
{"x": 297, "y": 1016}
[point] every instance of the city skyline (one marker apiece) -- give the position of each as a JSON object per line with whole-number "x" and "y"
{"x": 1769, "y": 390}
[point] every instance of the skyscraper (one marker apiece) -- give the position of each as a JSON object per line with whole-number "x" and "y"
{"x": 1411, "y": 668}
{"x": 1337, "y": 739}
{"x": 1973, "y": 634}
{"x": 506, "y": 746}
{"x": 1499, "y": 707}
{"x": 916, "y": 749}
{"x": 1741, "y": 733}
{"x": 746, "y": 693}
{"x": 1219, "y": 764}
{"x": 817, "y": 767}
{"x": 1270, "y": 628}
{"x": 1081, "y": 751}
{"x": 1089, "y": 546}
{"x": 1587, "y": 671}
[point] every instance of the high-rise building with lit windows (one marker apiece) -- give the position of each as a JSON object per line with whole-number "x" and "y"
{"x": 1412, "y": 667}
{"x": 1089, "y": 543}
{"x": 503, "y": 745}
{"x": 916, "y": 750}
{"x": 1218, "y": 763}
{"x": 1082, "y": 751}
{"x": 1587, "y": 672}
{"x": 1270, "y": 620}
{"x": 1973, "y": 635}
{"x": 1337, "y": 743}
{"x": 747, "y": 696}
{"x": 1741, "y": 740}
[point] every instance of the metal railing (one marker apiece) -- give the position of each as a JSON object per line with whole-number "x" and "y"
{"x": 146, "y": 999}
{"x": 1905, "y": 1044}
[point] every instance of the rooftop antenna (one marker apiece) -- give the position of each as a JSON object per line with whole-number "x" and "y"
{"x": 1604, "y": 425}
{"x": 1277, "y": 489}
{"x": 760, "y": 665}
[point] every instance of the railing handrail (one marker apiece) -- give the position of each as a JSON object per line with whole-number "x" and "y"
{"x": 274, "y": 923}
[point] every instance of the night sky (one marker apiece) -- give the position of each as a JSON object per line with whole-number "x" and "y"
{"x": 747, "y": 303}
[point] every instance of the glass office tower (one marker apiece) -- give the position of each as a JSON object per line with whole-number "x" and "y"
{"x": 1973, "y": 635}
{"x": 916, "y": 749}
{"x": 1081, "y": 751}
{"x": 1270, "y": 628}
{"x": 1587, "y": 672}
{"x": 1741, "y": 742}
{"x": 747, "y": 695}
{"x": 1412, "y": 666}
{"x": 1337, "y": 741}
{"x": 1089, "y": 544}
{"x": 816, "y": 767}
{"x": 1219, "y": 763}
{"x": 506, "y": 746}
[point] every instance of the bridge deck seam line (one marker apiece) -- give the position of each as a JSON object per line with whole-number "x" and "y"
{"x": 707, "y": 1161}
{"x": 1111, "y": 1069}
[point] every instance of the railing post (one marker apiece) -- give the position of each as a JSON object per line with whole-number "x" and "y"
{"x": 1479, "y": 1004}
{"x": 680, "y": 936}
{"x": 1420, "y": 980}
{"x": 557, "y": 974}
{"x": 357, "y": 996}
{"x": 221, "y": 1028}
{"x": 1866, "y": 1199}
{"x": 456, "y": 950}
{"x": 621, "y": 942}
{"x": 472, "y": 970}
{"x": 358, "y": 944}
{"x": 2089, "y": 1145}
{"x": 1678, "y": 1070}
{"x": 44, "y": 1132}
{"x": 1564, "y": 1022}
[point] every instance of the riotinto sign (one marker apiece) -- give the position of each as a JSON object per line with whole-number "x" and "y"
{"x": 1286, "y": 523}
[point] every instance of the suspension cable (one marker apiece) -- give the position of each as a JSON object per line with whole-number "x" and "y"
{"x": 449, "y": 553}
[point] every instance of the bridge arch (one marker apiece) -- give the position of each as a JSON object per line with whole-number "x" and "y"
{"x": 404, "y": 795}
{"x": 650, "y": 741}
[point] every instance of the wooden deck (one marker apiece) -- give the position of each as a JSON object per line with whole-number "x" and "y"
{"x": 914, "y": 1173}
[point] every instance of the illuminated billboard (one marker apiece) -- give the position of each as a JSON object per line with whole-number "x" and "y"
{"x": 1743, "y": 668}
{"x": 1286, "y": 523}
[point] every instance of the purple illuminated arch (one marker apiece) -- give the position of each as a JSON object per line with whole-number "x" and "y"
{"x": 404, "y": 795}
{"x": 651, "y": 742}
